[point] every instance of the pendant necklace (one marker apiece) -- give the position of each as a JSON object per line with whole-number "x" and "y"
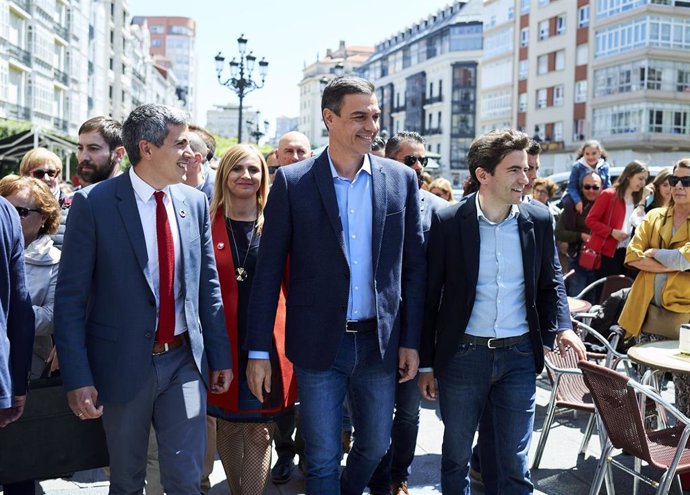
{"x": 240, "y": 271}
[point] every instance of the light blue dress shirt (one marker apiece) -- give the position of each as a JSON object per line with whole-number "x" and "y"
{"x": 355, "y": 207}
{"x": 499, "y": 307}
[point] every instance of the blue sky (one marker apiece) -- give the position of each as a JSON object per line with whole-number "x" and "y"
{"x": 288, "y": 33}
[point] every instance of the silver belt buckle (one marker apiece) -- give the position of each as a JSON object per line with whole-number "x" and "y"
{"x": 489, "y": 343}
{"x": 347, "y": 327}
{"x": 166, "y": 348}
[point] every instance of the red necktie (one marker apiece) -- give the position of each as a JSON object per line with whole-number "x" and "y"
{"x": 166, "y": 271}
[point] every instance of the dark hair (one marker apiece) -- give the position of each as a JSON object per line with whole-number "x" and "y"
{"x": 109, "y": 129}
{"x": 208, "y": 139}
{"x": 378, "y": 144}
{"x": 149, "y": 123}
{"x": 394, "y": 143}
{"x": 534, "y": 148}
{"x": 623, "y": 181}
{"x": 591, "y": 143}
{"x": 487, "y": 150}
{"x": 339, "y": 87}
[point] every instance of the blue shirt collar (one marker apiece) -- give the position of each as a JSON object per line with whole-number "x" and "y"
{"x": 514, "y": 212}
{"x": 366, "y": 166}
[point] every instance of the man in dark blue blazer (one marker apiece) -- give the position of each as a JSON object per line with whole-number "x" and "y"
{"x": 490, "y": 312}
{"x": 138, "y": 312}
{"x": 347, "y": 224}
{"x": 16, "y": 317}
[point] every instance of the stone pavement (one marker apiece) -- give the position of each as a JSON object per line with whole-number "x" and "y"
{"x": 562, "y": 471}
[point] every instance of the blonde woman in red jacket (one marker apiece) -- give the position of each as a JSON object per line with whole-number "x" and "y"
{"x": 610, "y": 219}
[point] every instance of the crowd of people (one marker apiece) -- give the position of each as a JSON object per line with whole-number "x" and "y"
{"x": 191, "y": 303}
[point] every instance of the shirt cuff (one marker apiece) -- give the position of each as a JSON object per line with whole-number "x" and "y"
{"x": 426, "y": 370}
{"x": 258, "y": 355}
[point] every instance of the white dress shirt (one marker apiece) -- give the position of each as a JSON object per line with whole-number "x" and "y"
{"x": 146, "y": 204}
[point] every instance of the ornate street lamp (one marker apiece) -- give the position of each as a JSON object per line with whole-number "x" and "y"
{"x": 254, "y": 128}
{"x": 240, "y": 80}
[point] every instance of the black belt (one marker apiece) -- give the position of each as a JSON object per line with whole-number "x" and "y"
{"x": 494, "y": 343}
{"x": 360, "y": 326}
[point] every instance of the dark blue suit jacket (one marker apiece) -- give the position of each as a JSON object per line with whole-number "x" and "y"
{"x": 453, "y": 256}
{"x": 302, "y": 223}
{"x": 16, "y": 312}
{"x": 105, "y": 307}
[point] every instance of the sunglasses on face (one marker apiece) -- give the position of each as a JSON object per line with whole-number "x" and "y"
{"x": 592, "y": 187}
{"x": 273, "y": 169}
{"x": 674, "y": 179}
{"x": 40, "y": 173}
{"x": 25, "y": 212}
{"x": 410, "y": 160}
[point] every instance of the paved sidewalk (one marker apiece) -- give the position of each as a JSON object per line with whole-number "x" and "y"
{"x": 562, "y": 471}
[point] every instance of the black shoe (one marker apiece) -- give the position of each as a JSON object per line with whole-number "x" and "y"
{"x": 281, "y": 472}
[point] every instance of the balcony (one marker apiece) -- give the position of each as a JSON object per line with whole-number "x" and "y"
{"x": 20, "y": 54}
{"x": 60, "y": 124}
{"x": 61, "y": 77}
{"x": 16, "y": 112}
{"x": 138, "y": 75}
{"x": 23, "y": 4}
{"x": 433, "y": 131}
{"x": 61, "y": 31}
{"x": 399, "y": 108}
{"x": 434, "y": 99}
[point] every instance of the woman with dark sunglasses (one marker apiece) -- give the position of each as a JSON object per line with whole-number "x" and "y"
{"x": 571, "y": 228}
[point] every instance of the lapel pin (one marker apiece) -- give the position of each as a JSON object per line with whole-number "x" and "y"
{"x": 183, "y": 213}
{"x": 220, "y": 245}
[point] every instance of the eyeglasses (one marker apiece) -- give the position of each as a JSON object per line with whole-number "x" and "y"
{"x": 410, "y": 160}
{"x": 25, "y": 212}
{"x": 593, "y": 187}
{"x": 39, "y": 173}
{"x": 273, "y": 169}
{"x": 674, "y": 179}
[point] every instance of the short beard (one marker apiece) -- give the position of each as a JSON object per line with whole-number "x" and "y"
{"x": 97, "y": 174}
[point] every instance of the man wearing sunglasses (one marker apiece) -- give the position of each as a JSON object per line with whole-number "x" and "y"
{"x": 406, "y": 147}
{"x": 16, "y": 317}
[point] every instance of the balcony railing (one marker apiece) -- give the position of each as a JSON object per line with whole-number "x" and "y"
{"x": 138, "y": 75}
{"x": 17, "y": 112}
{"x": 60, "y": 124}
{"x": 399, "y": 108}
{"x": 20, "y": 54}
{"x": 61, "y": 31}
{"x": 434, "y": 99}
{"x": 62, "y": 77}
{"x": 24, "y": 4}
{"x": 433, "y": 130}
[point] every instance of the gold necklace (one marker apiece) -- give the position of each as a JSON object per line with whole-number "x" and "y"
{"x": 240, "y": 271}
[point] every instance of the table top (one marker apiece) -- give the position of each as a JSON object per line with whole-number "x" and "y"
{"x": 578, "y": 305}
{"x": 662, "y": 355}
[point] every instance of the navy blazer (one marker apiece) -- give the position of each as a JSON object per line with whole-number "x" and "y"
{"x": 452, "y": 280}
{"x": 302, "y": 224}
{"x": 16, "y": 312}
{"x": 105, "y": 307}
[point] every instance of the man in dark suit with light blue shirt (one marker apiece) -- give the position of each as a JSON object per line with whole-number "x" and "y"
{"x": 138, "y": 313}
{"x": 489, "y": 312}
{"x": 347, "y": 224}
{"x": 16, "y": 317}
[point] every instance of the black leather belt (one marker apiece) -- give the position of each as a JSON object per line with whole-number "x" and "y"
{"x": 360, "y": 326}
{"x": 162, "y": 348}
{"x": 494, "y": 343}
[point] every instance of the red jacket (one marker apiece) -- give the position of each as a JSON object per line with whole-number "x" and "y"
{"x": 228, "y": 287}
{"x": 607, "y": 213}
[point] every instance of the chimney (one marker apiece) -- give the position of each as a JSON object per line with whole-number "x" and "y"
{"x": 328, "y": 53}
{"x": 342, "y": 45}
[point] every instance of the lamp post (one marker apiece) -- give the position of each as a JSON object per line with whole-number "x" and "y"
{"x": 254, "y": 128}
{"x": 240, "y": 80}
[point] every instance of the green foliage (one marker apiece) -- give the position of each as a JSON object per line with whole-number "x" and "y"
{"x": 223, "y": 144}
{"x": 11, "y": 127}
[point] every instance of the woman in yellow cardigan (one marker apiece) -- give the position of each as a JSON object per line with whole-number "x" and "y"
{"x": 660, "y": 249}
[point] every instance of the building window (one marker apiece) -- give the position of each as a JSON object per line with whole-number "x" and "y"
{"x": 656, "y": 121}
{"x": 542, "y": 64}
{"x": 524, "y": 37}
{"x": 523, "y": 69}
{"x": 680, "y": 123}
{"x": 558, "y": 131}
{"x": 560, "y": 24}
{"x": 582, "y": 54}
{"x": 511, "y": 13}
{"x": 524, "y": 6}
{"x": 558, "y": 95}
{"x": 541, "y": 98}
{"x": 522, "y": 102}
{"x": 544, "y": 30}
{"x": 540, "y": 131}
{"x": 560, "y": 60}
{"x": 543, "y": 3}
{"x": 683, "y": 81}
{"x": 583, "y": 16}
{"x": 580, "y": 91}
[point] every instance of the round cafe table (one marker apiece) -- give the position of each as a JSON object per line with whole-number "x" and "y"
{"x": 661, "y": 356}
{"x": 578, "y": 305}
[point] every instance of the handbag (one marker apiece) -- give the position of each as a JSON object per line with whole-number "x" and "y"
{"x": 589, "y": 259}
{"x": 664, "y": 323}
{"x": 49, "y": 441}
